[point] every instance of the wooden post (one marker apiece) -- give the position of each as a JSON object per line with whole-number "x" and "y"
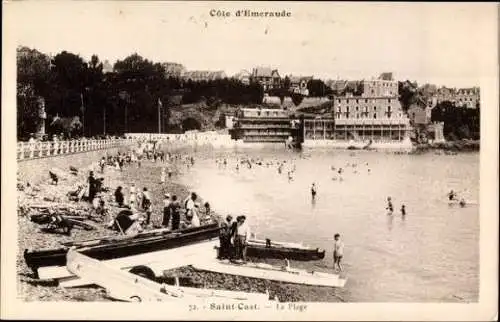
{"x": 20, "y": 150}
{"x": 32, "y": 150}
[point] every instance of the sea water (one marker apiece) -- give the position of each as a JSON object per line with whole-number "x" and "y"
{"x": 429, "y": 255}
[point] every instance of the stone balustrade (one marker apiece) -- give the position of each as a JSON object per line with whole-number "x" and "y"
{"x": 33, "y": 150}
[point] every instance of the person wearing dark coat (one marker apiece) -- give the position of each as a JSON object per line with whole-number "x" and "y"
{"x": 92, "y": 186}
{"x": 119, "y": 198}
{"x": 226, "y": 233}
{"x": 175, "y": 213}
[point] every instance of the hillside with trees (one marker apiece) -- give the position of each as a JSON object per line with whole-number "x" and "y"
{"x": 125, "y": 100}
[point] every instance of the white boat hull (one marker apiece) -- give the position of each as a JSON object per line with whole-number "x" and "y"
{"x": 157, "y": 261}
{"x": 269, "y": 272}
{"x": 125, "y": 286}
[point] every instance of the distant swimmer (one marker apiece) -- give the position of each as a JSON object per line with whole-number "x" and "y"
{"x": 290, "y": 176}
{"x": 313, "y": 190}
{"x": 403, "y": 210}
{"x": 340, "y": 171}
{"x": 452, "y": 195}
{"x": 369, "y": 170}
{"x": 389, "y": 207}
{"x": 462, "y": 202}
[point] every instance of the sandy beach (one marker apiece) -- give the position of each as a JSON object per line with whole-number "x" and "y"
{"x": 147, "y": 175}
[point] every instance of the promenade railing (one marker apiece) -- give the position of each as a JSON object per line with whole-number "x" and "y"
{"x": 34, "y": 150}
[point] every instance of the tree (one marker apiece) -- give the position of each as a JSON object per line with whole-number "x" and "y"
{"x": 33, "y": 73}
{"x": 459, "y": 122}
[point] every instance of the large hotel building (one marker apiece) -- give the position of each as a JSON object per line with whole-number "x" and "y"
{"x": 374, "y": 114}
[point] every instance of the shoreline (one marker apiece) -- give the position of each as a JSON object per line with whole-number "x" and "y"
{"x": 451, "y": 146}
{"x": 148, "y": 175}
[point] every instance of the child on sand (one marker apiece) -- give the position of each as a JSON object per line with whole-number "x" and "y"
{"x": 163, "y": 175}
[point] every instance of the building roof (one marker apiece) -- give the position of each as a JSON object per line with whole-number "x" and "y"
{"x": 204, "y": 74}
{"x": 472, "y": 90}
{"x": 262, "y": 72}
{"x": 386, "y": 76}
{"x": 243, "y": 73}
{"x": 173, "y": 67}
{"x": 339, "y": 85}
{"x": 298, "y": 79}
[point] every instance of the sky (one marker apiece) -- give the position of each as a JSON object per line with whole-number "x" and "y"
{"x": 438, "y": 43}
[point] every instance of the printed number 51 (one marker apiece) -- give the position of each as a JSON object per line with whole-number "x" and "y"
{"x": 192, "y": 307}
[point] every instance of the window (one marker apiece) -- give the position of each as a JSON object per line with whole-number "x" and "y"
{"x": 357, "y": 101}
{"x": 366, "y": 100}
{"x": 357, "y": 115}
{"x": 374, "y": 108}
{"x": 347, "y": 101}
{"x": 339, "y": 101}
{"x": 374, "y": 115}
{"x": 357, "y": 108}
{"x": 389, "y": 100}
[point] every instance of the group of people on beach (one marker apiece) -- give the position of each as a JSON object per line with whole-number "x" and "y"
{"x": 136, "y": 204}
{"x": 234, "y": 235}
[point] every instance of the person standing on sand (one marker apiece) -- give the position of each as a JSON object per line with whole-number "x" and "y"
{"x": 147, "y": 205}
{"x": 166, "y": 210}
{"x": 133, "y": 196}
{"x": 403, "y": 210}
{"x": 241, "y": 236}
{"x": 225, "y": 235}
{"x": 338, "y": 253}
{"x": 175, "y": 211}
{"x": 169, "y": 171}
{"x": 189, "y": 203}
{"x": 119, "y": 199}
{"x": 92, "y": 186}
{"x": 163, "y": 175}
{"x": 195, "y": 219}
{"x": 207, "y": 209}
{"x": 102, "y": 164}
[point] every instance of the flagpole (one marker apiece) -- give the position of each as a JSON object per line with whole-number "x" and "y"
{"x": 159, "y": 119}
{"x": 83, "y": 113}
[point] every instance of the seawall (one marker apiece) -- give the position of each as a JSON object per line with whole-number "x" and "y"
{"x": 37, "y": 170}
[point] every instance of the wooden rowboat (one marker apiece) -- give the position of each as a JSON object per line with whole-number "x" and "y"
{"x": 283, "y": 250}
{"x": 105, "y": 250}
{"x": 108, "y": 248}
